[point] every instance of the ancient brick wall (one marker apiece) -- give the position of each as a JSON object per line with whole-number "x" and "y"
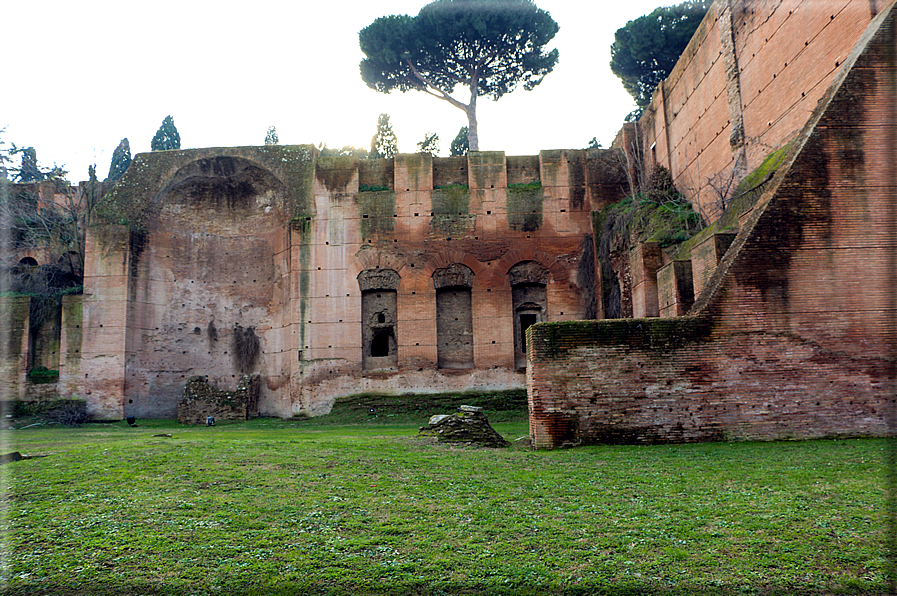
{"x": 793, "y": 335}
{"x": 202, "y": 401}
{"x": 70, "y": 341}
{"x": 679, "y": 380}
{"x": 745, "y": 85}
{"x": 335, "y": 269}
{"x": 483, "y": 214}
{"x": 14, "y": 335}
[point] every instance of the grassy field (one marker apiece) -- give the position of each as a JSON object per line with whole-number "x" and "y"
{"x": 357, "y": 504}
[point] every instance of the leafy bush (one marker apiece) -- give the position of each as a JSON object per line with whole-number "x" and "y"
{"x": 371, "y": 188}
{"x": 71, "y": 412}
{"x": 42, "y": 374}
{"x": 68, "y": 412}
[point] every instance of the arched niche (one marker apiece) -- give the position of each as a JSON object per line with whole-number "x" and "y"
{"x": 454, "y": 316}
{"x": 222, "y": 189}
{"x": 379, "y": 318}
{"x": 528, "y": 280}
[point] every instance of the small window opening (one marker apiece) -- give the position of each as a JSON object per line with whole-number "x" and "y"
{"x": 380, "y": 345}
{"x": 526, "y": 321}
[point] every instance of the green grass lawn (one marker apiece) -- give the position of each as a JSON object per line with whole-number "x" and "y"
{"x": 358, "y": 504}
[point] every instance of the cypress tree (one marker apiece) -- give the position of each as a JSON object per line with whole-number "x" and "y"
{"x": 271, "y": 138}
{"x": 460, "y": 145}
{"x": 384, "y": 143}
{"x": 167, "y": 137}
{"x": 121, "y": 159}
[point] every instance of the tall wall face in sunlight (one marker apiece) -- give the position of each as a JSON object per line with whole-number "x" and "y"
{"x": 411, "y": 274}
{"x": 745, "y": 86}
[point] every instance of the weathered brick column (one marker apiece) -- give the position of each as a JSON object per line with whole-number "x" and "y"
{"x": 105, "y": 320}
{"x": 644, "y": 261}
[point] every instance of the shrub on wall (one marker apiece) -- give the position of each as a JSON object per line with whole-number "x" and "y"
{"x": 42, "y": 374}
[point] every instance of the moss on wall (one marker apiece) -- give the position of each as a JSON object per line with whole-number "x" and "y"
{"x": 15, "y": 310}
{"x": 336, "y": 172}
{"x": 451, "y": 210}
{"x": 418, "y": 167}
{"x": 135, "y": 198}
{"x": 377, "y": 211}
{"x": 744, "y": 198}
{"x": 525, "y": 207}
{"x": 655, "y": 335}
{"x": 453, "y": 199}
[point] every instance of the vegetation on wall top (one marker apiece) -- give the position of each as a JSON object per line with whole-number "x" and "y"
{"x": 659, "y": 213}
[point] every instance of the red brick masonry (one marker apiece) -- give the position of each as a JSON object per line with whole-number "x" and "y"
{"x": 793, "y": 335}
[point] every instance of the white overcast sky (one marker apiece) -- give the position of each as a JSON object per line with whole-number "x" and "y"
{"x": 82, "y": 75}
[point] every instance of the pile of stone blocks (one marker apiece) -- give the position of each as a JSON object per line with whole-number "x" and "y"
{"x": 201, "y": 401}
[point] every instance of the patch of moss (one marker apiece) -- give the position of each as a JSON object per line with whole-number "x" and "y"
{"x": 451, "y": 210}
{"x": 525, "y": 207}
{"x": 42, "y": 374}
{"x": 769, "y": 166}
{"x": 744, "y": 198}
{"x": 525, "y": 186}
{"x": 371, "y": 188}
{"x": 453, "y": 199}
{"x": 656, "y": 335}
{"x": 377, "y": 210}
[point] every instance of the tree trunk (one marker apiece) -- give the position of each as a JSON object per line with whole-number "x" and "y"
{"x": 473, "y": 139}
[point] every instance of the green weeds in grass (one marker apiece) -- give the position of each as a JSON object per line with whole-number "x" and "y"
{"x": 364, "y": 507}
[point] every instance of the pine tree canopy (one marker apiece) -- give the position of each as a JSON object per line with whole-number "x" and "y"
{"x": 488, "y": 47}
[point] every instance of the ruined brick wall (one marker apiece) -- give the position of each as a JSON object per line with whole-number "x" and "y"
{"x": 794, "y": 333}
{"x": 70, "y": 342}
{"x": 334, "y": 267}
{"x": 745, "y": 86}
{"x": 202, "y": 401}
{"x": 482, "y": 214}
{"x": 203, "y": 261}
{"x": 14, "y": 335}
{"x": 679, "y": 380}
{"x": 210, "y": 269}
